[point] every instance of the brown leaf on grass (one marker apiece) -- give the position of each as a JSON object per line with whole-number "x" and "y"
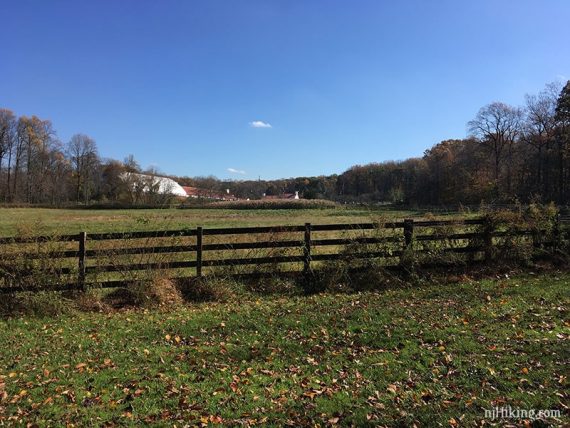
{"x": 69, "y": 395}
{"x": 392, "y": 388}
{"x": 211, "y": 419}
{"x": 310, "y": 394}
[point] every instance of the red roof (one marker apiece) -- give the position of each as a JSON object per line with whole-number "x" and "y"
{"x": 191, "y": 191}
{"x": 196, "y": 192}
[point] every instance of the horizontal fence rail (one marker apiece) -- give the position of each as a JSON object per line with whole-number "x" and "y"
{"x": 83, "y": 260}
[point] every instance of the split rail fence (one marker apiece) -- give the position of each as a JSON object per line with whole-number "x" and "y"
{"x": 80, "y": 261}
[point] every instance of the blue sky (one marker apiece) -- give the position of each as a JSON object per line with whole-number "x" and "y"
{"x": 178, "y": 83}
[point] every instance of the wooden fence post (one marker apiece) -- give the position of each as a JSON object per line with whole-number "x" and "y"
{"x": 307, "y": 250}
{"x": 308, "y": 283}
{"x": 488, "y": 239}
{"x": 557, "y": 233}
{"x": 81, "y": 275}
{"x": 407, "y": 260}
{"x": 408, "y": 233}
{"x": 199, "y": 234}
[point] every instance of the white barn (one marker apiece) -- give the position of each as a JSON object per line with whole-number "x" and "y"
{"x": 162, "y": 185}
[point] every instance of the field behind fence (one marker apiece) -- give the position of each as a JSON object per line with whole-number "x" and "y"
{"x": 83, "y": 260}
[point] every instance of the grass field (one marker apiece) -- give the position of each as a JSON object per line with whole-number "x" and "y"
{"x": 436, "y": 354}
{"x": 91, "y": 221}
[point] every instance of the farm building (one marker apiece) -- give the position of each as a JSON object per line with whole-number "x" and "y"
{"x": 195, "y": 192}
{"x": 167, "y": 186}
{"x": 160, "y": 185}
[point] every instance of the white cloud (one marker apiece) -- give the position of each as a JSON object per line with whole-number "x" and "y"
{"x": 236, "y": 171}
{"x": 259, "y": 124}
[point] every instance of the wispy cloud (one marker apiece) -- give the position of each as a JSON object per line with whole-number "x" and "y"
{"x": 236, "y": 171}
{"x": 259, "y": 124}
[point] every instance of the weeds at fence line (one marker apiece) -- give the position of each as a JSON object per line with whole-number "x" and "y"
{"x": 37, "y": 304}
{"x": 223, "y": 282}
{"x": 356, "y": 270}
{"x": 212, "y": 289}
{"x": 367, "y": 260}
{"x": 31, "y": 266}
{"x": 521, "y": 234}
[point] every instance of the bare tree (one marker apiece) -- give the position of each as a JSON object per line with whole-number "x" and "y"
{"x": 539, "y": 130}
{"x": 82, "y": 152}
{"x": 158, "y": 189}
{"x": 59, "y": 174}
{"x": 19, "y": 156}
{"x": 37, "y": 139}
{"x": 563, "y": 140}
{"x": 131, "y": 164}
{"x": 7, "y": 140}
{"x": 497, "y": 126}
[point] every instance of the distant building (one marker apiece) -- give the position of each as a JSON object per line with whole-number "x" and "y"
{"x": 195, "y": 192}
{"x": 152, "y": 183}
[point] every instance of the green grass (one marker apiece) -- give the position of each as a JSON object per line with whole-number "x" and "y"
{"x": 48, "y": 220}
{"x": 435, "y": 354}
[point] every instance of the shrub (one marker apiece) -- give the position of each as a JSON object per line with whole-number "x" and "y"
{"x": 272, "y": 284}
{"x": 90, "y": 301}
{"x": 207, "y": 289}
{"x": 158, "y": 292}
{"x": 350, "y": 276}
{"x": 37, "y": 304}
{"x": 145, "y": 293}
{"x": 522, "y": 233}
{"x": 267, "y": 204}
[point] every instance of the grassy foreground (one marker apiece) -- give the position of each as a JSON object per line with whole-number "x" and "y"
{"x": 434, "y": 355}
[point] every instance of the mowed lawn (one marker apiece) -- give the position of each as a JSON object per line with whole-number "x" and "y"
{"x": 432, "y": 355}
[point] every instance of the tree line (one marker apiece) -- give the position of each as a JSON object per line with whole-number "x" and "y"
{"x": 512, "y": 153}
{"x": 37, "y": 168}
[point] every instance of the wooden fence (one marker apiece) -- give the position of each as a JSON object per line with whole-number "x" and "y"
{"x": 83, "y": 260}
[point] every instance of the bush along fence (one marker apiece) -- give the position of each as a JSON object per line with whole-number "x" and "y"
{"x": 82, "y": 261}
